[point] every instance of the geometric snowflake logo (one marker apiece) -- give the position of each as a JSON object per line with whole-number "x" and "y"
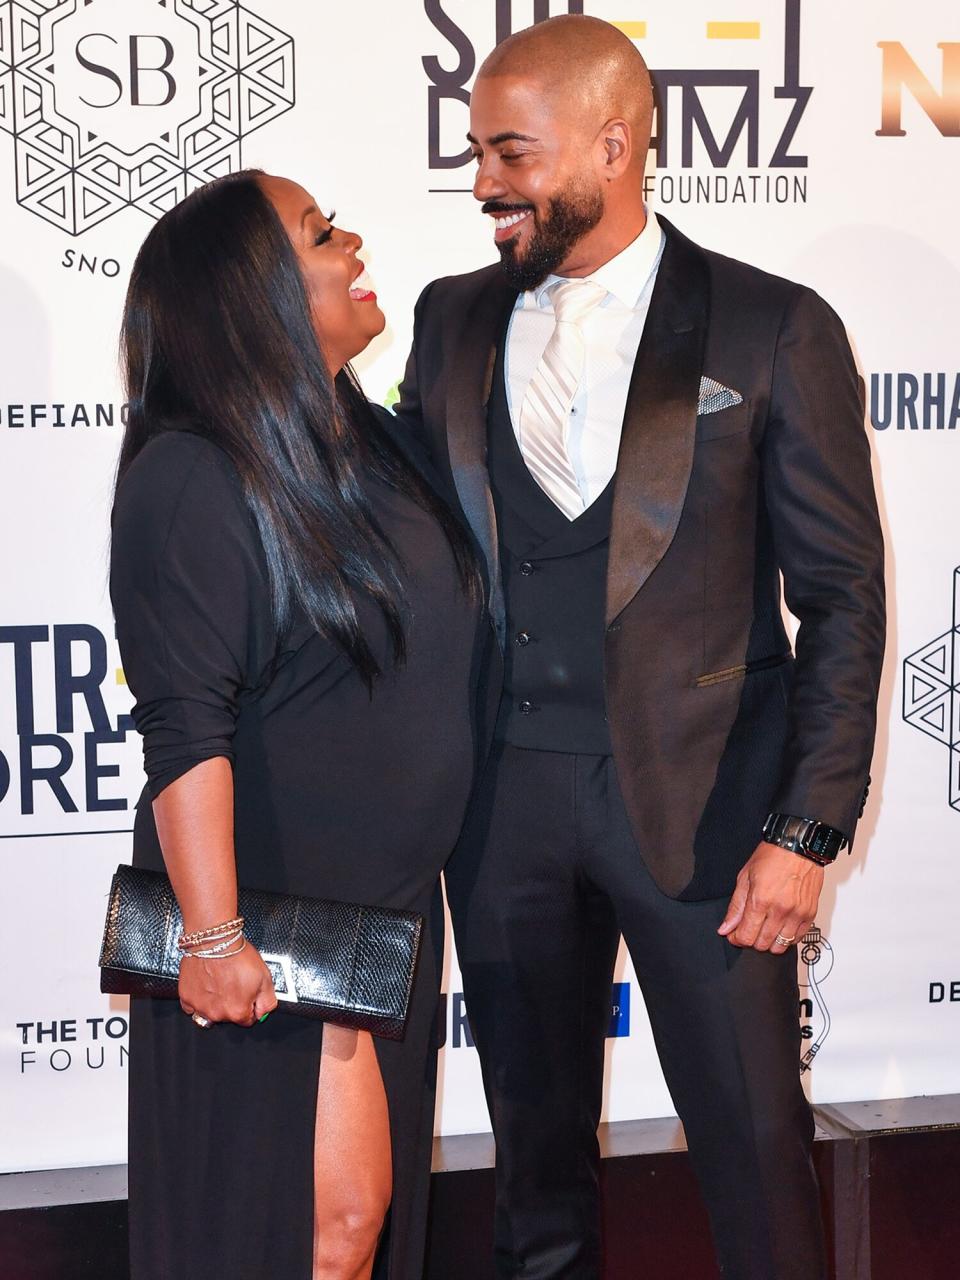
{"x": 931, "y": 692}
{"x": 118, "y": 103}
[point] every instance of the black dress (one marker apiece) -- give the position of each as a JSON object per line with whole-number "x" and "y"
{"x": 339, "y": 794}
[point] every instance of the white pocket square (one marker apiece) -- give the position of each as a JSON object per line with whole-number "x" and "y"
{"x": 715, "y": 396}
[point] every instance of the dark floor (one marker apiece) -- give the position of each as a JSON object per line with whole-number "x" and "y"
{"x": 890, "y": 1174}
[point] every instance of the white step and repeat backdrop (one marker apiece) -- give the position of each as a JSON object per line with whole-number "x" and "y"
{"x": 818, "y": 140}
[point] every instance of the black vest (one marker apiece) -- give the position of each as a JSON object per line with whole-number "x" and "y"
{"x": 554, "y": 584}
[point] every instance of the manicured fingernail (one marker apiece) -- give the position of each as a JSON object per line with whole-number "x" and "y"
{"x": 264, "y": 1018}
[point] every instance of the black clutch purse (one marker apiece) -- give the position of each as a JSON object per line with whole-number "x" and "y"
{"x": 336, "y": 961}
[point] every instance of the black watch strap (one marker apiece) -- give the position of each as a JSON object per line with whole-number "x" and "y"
{"x": 805, "y": 836}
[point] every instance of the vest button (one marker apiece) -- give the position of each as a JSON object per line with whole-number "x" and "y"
{"x": 526, "y": 568}
{"x": 525, "y": 707}
{"x": 523, "y": 638}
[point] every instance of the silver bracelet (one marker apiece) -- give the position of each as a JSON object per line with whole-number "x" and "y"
{"x": 215, "y": 944}
{"x": 220, "y": 952}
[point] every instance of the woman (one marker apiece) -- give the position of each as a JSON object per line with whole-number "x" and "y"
{"x": 297, "y": 615}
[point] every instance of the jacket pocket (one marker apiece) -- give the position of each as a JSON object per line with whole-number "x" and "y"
{"x": 743, "y": 669}
{"x": 724, "y": 422}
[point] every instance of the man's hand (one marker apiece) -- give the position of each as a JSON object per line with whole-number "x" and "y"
{"x": 777, "y": 893}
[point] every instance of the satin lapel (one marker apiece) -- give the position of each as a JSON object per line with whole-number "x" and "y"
{"x": 656, "y": 447}
{"x": 468, "y": 391}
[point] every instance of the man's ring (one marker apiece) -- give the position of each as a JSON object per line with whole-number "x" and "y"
{"x": 200, "y": 1020}
{"x": 779, "y": 941}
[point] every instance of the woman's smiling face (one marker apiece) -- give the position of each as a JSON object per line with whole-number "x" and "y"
{"x": 345, "y": 313}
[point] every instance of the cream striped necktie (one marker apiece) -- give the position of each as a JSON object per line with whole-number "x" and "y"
{"x": 545, "y": 411}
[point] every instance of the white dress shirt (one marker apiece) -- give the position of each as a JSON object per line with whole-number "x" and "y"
{"x": 612, "y": 333}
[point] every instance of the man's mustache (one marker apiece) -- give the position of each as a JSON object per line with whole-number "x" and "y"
{"x": 497, "y": 206}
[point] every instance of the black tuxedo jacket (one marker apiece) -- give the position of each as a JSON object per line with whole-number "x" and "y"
{"x": 714, "y": 722}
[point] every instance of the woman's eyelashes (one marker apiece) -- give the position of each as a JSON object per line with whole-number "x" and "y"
{"x": 327, "y": 232}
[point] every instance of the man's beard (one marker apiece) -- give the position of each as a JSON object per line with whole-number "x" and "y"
{"x": 570, "y": 215}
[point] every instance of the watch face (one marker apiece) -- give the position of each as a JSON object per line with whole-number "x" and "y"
{"x": 804, "y": 835}
{"x": 824, "y": 841}
{"x": 816, "y": 840}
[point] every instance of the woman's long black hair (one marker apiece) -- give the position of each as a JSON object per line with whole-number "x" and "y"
{"x": 217, "y": 339}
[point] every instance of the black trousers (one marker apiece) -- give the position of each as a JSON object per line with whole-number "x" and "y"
{"x": 546, "y": 877}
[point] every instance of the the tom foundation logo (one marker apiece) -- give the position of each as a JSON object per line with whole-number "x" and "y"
{"x": 931, "y": 692}
{"x": 72, "y": 1044}
{"x": 722, "y": 135}
{"x": 816, "y": 962}
{"x": 70, "y": 760}
{"x": 900, "y": 72}
{"x": 119, "y": 103}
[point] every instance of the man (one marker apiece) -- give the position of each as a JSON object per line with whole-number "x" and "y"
{"x": 643, "y": 435}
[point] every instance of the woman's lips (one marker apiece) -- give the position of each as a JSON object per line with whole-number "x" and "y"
{"x": 360, "y": 290}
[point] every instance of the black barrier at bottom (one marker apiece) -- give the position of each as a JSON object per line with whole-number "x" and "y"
{"x": 889, "y": 1173}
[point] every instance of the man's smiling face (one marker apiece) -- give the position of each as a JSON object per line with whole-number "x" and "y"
{"x": 536, "y": 177}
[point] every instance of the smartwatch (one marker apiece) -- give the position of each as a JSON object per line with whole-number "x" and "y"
{"x": 805, "y": 836}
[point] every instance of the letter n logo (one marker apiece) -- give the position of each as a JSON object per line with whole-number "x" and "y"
{"x": 901, "y": 72}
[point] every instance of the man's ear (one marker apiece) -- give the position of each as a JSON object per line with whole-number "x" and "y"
{"x": 616, "y": 148}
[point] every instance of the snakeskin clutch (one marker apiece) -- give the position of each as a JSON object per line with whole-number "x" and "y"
{"x": 336, "y": 961}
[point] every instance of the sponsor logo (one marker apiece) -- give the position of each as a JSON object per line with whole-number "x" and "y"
{"x": 453, "y": 1026}
{"x": 722, "y": 136}
{"x": 60, "y": 414}
{"x": 70, "y": 760}
{"x": 915, "y": 401}
{"x": 900, "y": 72}
{"x": 620, "y": 1011}
{"x": 719, "y": 119}
{"x": 447, "y": 88}
{"x": 71, "y": 1044}
{"x": 931, "y": 692}
{"x": 120, "y": 103}
{"x": 945, "y": 991}
{"x": 815, "y": 955}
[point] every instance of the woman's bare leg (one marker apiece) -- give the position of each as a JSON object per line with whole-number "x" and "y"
{"x": 353, "y": 1167}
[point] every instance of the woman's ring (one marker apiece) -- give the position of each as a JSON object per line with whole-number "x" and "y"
{"x": 200, "y": 1020}
{"x": 779, "y": 941}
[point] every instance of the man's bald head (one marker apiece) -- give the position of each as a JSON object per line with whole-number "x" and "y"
{"x": 560, "y": 118}
{"x": 585, "y": 63}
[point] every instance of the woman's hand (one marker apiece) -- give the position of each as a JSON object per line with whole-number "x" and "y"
{"x": 238, "y": 989}
{"x": 194, "y": 817}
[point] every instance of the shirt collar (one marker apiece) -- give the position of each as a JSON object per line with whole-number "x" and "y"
{"x": 624, "y": 276}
